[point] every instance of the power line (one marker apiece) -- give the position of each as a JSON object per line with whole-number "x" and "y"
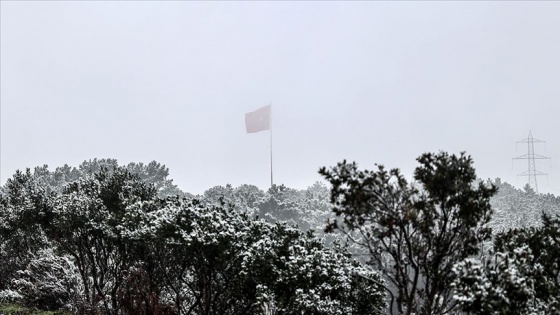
{"x": 531, "y": 172}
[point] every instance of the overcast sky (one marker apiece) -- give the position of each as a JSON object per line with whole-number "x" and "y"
{"x": 371, "y": 82}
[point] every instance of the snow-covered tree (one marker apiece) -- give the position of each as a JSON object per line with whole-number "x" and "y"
{"x": 156, "y": 174}
{"x": 414, "y": 233}
{"x": 110, "y": 244}
{"x": 307, "y": 208}
{"x": 520, "y": 276}
{"x": 518, "y": 208}
{"x": 220, "y": 261}
{"x": 152, "y": 173}
{"x": 49, "y": 282}
{"x": 84, "y": 223}
{"x": 23, "y": 206}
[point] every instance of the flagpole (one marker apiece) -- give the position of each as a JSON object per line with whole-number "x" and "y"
{"x": 271, "y": 178}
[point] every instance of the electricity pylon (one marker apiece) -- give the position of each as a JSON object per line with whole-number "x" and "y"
{"x": 531, "y": 172}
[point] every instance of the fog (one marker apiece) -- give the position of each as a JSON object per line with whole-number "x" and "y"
{"x": 372, "y": 82}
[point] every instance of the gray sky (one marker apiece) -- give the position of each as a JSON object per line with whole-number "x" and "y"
{"x": 372, "y": 82}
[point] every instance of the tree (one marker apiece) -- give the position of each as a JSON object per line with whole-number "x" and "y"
{"x": 152, "y": 173}
{"x": 520, "y": 276}
{"x": 414, "y": 233}
{"x": 519, "y": 208}
{"x": 84, "y": 222}
{"x": 281, "y": 205}
{"x": 214, "y": 260}
{"x": 109, "y": 244}
{"x": 26, "y": 198}
{"x": 156, "y": 174}
{"x": 23, "y": 208}
{"x": 49, "y": 282}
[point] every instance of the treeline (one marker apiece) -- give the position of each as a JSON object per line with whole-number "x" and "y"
{"x": 517, "y": 208}
{"x": 107, "y": 239}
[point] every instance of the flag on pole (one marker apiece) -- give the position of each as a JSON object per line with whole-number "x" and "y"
{"x": 258, "y": 120}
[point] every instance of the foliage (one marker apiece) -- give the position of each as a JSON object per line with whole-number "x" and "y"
{"x": 23, "y": 205}
{"x": 219, "y": 261}
{"x": 309, "y": 209}
{"x": 84, "y": 224}
{"x": 109, "y": 242}
{"x": 414, "y": 235}
{"x": 521, "y": 276}
{"x": 152, "y": 173}
{"x": 519, "y": 208}
{"x": 245, "y": 198}
{"x": 102, "y": 238}
{"x": 16, "y": 309}
{"x": 49, "y": 282}
{"x": 136, "y": 297}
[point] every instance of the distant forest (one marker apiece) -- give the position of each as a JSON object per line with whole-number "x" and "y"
{"x": 104, "y": 238}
